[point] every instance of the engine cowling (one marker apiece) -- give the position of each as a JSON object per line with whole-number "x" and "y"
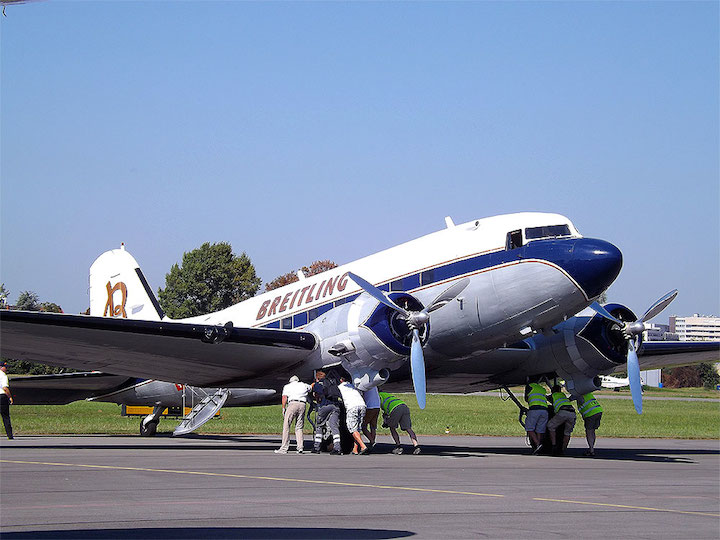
{"x": 582, "y": 348}
{"x": 368, "y": 338}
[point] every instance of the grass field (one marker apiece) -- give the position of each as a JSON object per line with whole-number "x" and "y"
{"x": 461, "y": 415}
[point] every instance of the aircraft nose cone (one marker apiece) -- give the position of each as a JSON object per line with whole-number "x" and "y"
{"x": 595, "y": 265}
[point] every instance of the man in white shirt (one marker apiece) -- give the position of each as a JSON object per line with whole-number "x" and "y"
{"x": 5, "y": 399}
{"x": 354, "y": 413}
{"x": 294, "y": 398}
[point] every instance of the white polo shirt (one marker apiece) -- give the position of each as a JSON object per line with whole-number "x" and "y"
{"x": 351, "y": 396}
{"x": 296, "y": 391}
{"x": 4, "y": 380}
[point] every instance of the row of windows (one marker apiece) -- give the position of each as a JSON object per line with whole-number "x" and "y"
{"x": 407, "y": 283}
{"x": 411, "y": 282}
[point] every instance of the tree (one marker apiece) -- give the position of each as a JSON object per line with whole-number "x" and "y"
{"x": 691, "y": 376}
{"x": 210, "y": 278}
{"x": 28, "y": 301}
{"x": 291, "y": 277}
{"x": 50, "y": 307}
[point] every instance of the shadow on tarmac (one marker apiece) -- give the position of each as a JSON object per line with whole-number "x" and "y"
{"x": 269, "y": 443}
{"x": 210, "y": 532}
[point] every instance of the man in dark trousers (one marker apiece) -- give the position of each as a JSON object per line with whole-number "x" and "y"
{"x": 327, "y": 398}
{"x": 5, "y": 399}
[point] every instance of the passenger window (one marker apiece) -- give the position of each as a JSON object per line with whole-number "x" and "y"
{"x": 313, "y": 314}
{"x": 397, "y": 285}
{"x": 286, "y": 323}
{"x": 427, "y": 277}
{"x": 514, "y": 240}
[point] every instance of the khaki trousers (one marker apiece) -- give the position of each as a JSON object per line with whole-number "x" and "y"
{"x": 294, "y": 412}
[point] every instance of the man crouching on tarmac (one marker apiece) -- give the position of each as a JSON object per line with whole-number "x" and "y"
{"x": 327, "y": 398}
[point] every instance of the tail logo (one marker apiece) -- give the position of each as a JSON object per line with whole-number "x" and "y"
{"x": 110, "y": 307}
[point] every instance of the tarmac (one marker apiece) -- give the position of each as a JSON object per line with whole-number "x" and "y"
{"x": 459, "y": 487}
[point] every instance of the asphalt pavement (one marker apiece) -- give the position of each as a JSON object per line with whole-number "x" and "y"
{"x": 459, "y": 487}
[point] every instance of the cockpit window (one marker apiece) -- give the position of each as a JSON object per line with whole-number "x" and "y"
{"x": 549, "y": 231}
{"x": 514, "y": 240}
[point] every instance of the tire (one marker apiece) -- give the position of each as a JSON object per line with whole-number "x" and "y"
{"x": 149, "y": 429}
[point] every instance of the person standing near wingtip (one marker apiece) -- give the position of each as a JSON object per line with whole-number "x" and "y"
{"x": 5, "y": 400}
{"x": 591, "y": 412}
{"x": 294, "y": 398}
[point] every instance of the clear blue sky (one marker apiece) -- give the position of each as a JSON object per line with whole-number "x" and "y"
{"x": 304, "y": 131}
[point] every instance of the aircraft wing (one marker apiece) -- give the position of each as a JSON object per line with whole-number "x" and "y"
{"x": 661, "y": 354}
{"x": 63, "y": 388}
{"x": 196, "y": 354}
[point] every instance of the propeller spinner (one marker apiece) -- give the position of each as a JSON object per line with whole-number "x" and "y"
{"x": 631, "y": 331}
{"x": 415, "y": 320}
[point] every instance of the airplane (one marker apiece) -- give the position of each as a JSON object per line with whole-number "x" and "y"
{"x": 615, "y": 383}
{"x": 477, "y": 306}
{"x": 64, "y": 388}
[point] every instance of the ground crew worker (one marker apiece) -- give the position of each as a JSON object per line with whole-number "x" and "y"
{"x": 354, "y": 413}
{"x": 369, "y": 425}
{"x": 537, "y": 416}
{"x": 396, "y": 413}
{"x": 591, "y": 412}
{"x": 294, "y": 398}
{"x": 564, "y": 416}
{"x": 327, "y": 397}
{"x": 5, "y": 400}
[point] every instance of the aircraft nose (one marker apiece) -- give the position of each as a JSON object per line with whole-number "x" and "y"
{"x": 594, "y": 265}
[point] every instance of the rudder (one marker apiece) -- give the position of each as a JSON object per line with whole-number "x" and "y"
{"x": 118, "y": 288}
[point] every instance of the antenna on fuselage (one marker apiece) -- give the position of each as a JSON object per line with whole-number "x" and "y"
{"x": 449, "y": 222}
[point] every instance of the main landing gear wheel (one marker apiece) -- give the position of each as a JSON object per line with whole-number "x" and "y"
{"x": 148, "y": 429}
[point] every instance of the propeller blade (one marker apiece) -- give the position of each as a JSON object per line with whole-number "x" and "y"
{"x": 448, "y": 295}
{"x": 605, "y": 313}
{"x": 377, "y": 294}
{"x": 417, "y": 367}
{"x": 633, "y": 367}
{"x": 658, "y": 306}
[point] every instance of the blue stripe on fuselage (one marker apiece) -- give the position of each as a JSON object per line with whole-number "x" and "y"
{"x": 593, "y": 265}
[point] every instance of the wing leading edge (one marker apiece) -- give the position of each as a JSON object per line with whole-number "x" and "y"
{"x": 201, "y": 355}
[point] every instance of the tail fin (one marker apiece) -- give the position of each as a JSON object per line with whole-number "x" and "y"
{"x": 118, "y": 288}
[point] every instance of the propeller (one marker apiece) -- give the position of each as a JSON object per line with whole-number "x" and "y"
{"x": 415, "y": 320}
{"x": 631, "y": 331}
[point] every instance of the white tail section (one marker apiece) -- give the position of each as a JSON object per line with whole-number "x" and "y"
{"x": 119, "y": 289}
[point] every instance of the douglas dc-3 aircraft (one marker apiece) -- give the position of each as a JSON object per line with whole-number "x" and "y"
{"x": 472, "y": 307}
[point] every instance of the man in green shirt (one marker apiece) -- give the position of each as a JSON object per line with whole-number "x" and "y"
{"x": 396, "y": 413}
{"x": 591, "y": 412}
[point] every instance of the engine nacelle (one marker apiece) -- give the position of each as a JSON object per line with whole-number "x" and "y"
{"x": 368, "y": 338}
{"x": 582, "y": 348}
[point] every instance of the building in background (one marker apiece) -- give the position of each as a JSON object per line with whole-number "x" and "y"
{"x": 658, "y": 332}
{"x": 695, "y": 328}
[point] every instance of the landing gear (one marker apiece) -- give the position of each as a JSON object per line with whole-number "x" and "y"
{"x": 148, "y": 429}
{"x": 148, "y": 425}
